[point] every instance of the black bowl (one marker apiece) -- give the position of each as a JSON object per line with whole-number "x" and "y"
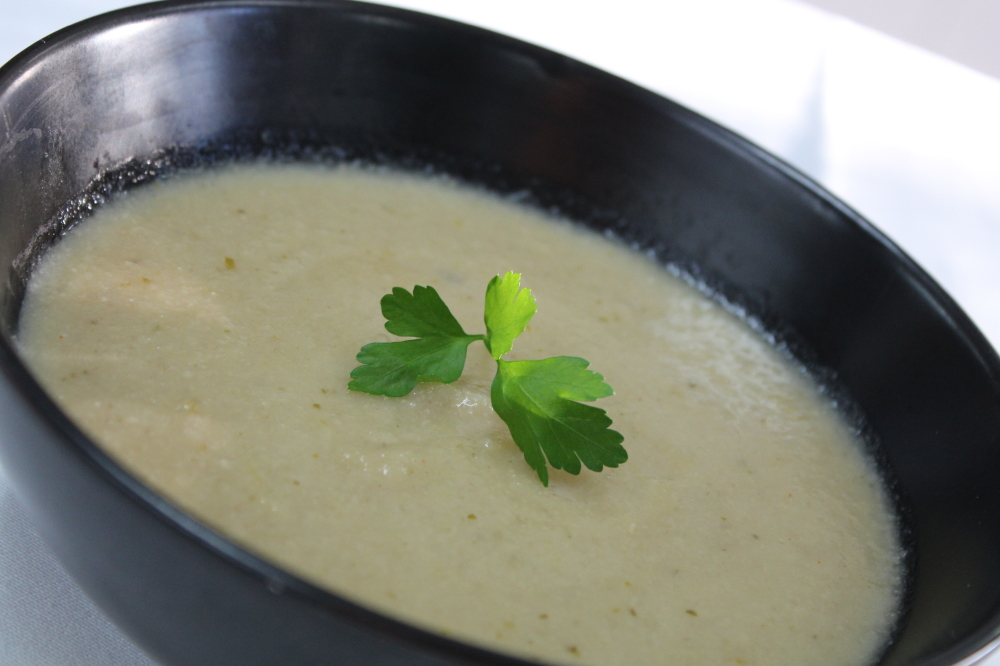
{"x": 117, "y": 100}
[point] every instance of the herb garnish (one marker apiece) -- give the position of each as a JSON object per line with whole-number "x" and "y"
{"x": 538, "y": 400}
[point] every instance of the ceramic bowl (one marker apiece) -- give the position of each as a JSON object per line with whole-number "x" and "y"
{"x": 117, "y": 100}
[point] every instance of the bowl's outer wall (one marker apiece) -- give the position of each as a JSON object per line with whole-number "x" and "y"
{"x": 155, "y": 77}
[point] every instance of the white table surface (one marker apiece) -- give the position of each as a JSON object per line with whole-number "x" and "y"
{"x": 907, "y": 138}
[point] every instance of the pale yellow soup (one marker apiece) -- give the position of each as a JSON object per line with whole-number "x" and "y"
{"x": 203, "y": 329}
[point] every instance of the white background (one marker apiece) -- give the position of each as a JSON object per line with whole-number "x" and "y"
{"x": 907, "y": 138}
{"x": 963, "y": 30}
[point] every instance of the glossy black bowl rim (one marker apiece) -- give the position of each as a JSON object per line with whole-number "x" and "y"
{"x": 966, "y": 652}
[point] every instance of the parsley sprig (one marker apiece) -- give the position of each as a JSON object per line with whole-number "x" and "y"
{"x": 540, "y": 401}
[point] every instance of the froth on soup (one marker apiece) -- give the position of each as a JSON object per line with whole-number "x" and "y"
{"x": 202, "y": 329}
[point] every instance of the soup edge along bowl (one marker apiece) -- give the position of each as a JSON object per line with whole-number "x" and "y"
{"x": 688, "y": 189}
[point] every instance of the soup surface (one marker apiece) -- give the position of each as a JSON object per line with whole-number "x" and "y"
{"x": 203, "y": 329}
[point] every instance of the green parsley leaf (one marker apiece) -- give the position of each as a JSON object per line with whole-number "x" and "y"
{"x": 419, "y": 315}
{"x": 508, "y": 311}
{"x": 537, "y": 401}
{"x": 437, "y": 355}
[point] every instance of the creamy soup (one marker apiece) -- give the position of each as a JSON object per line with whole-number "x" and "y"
{"x": 203, "y": 330}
